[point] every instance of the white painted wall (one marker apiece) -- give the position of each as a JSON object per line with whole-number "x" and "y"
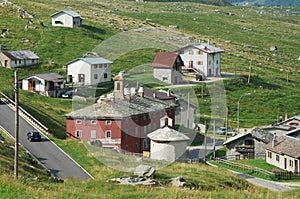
{"x": 169, "y": 152}
{"x": 281, "y": 161}
{"x": 67, "y": 20}
{"x": 160, "y": 73}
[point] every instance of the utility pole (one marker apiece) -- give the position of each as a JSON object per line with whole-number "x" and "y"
{"x": 16, "y": 127}
{"x": 226, "y": 123}
{"x": 250, "y": 69}
{"x": 214, "y": 141}
{"x": 205, "y": 132}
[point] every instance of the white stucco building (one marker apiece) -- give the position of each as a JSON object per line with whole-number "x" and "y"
{"x": 203, "y": 58}
{"x": 66, "y": 18}
{"x": 89, "y": 71}
{"x": 167, "y": 144}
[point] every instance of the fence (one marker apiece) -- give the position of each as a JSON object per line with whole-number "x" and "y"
{"x": 287, "y": 175}
{"x": 24, "y": 113}
{"x": 252, "y": 169}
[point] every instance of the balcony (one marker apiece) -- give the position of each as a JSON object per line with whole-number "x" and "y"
{"x": 244, "y": 148}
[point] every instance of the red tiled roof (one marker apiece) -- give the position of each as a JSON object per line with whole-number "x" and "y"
{"x": 165, "y": 59}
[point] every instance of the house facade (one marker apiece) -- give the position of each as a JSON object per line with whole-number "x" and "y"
{"x": 89, "y": 71}
{"x": 18, "y": 58}
{"x": 121, "y": 120}
{"x": 284, "y": 153}
{"x": 167, "y": 67}
{"x": 202, "y": 58}
{"x": 66, "y": 18}
{"x": 48, "y": 84}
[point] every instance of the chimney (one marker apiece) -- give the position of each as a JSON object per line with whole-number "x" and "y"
{"x": 119, "y": 88}
{"x": 286, "y": 116}
{"x": 154, "y": 94}
{"x": 169, "y": 93}
{"x": 274, "y": 140}
{"x": 141, "y": 92}
{"x": 208, "y": 41}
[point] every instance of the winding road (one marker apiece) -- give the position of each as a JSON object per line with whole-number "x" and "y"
{"x": 53, "y": 158}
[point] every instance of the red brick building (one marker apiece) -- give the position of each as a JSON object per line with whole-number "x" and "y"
{"x": 121, "y": 120}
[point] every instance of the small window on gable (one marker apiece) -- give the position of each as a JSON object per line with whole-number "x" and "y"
{"x": 78, "y": 121}
{"x": 200, "y": 52}
{"x": 108, "y": 122}
{"x": 165, "y": 78}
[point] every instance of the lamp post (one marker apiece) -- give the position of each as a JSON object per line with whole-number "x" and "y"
{"x": 238, "y": 112}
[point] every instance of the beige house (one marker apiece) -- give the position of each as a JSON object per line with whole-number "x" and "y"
{"x": 167, "y": 67}
{"x": 18, "y": 58}
{"x": 202, "y": 58}
{"x": 284, "y": 153}
{"x": 66, "y": 18}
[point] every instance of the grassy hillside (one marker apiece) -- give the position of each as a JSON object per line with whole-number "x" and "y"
{"x": 265, "y": 2}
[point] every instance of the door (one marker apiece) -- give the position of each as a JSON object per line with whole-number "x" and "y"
{"x": 209, "y": 72}
{"x": 284, "y": 163}
{"x": 217, "y": 72}
{"x": 5, "y": 63}
{"x": 296, "y": 166}
{"x": 176, "y": 80}
{"x": 191, "y": 64}
{"x": 81, "y": 78}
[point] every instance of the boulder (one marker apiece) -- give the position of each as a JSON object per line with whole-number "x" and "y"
{"x": 144, "y": 170}
{"x": 178, "y": 181}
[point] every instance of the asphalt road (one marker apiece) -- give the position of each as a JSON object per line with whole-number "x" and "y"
{"x": 50, "y": 155}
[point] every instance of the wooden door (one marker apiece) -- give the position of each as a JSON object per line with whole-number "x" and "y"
{"x": 296, "y": 166}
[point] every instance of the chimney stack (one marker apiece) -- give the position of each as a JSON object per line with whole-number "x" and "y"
{"x": 274, "y": 140}
{"x": 141, "y": 92}
{"x": 119, "y": 87}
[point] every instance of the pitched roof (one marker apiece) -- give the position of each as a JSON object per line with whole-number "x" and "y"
{"x": 206, "y": 47}
{"x": 20, "y": 54}
{"x": 296, "y": 117}
{"x": 68, "y": 12}
{"x": 109, "y": 109}
{"x": 286, "y": 145}
{"x": 238, "y": 136}
{"x": 92, "y": 60}
{"x": 47, "y": 76}
{"x": 158, "y": 94}
{"x": 167, "y": 134}
{"x": 165, "y": 59}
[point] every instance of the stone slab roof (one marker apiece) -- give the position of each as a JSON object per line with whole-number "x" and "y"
{"x": 48, "y": 77}
{"x": 20, "y": 54}
{"x": 110, "y": 109}
{"x": 167, "y": 134}
{"x": 286, "y": 145}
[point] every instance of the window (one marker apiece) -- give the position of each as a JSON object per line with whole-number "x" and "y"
{"x": 105, "y": 75}
{"x": 145, "y": 129}
{"x": 95, "y": 76}
{"x": 165, "y": 78}
{"x": 145, "y": 144}
{"x": 271, "y": 155}
{"x": 108, "y": 134}
{"x": 200, "y": 52}
{"x": 136, "y": 146}
{"x": 136, "y": 131}
{"x": 32, "y": 60}
{"x": 126, "y": 147}
{"x": 291, "y": 163}
{"x": 78, "y": 133}
{"x": 16, "y": 62}
{"x": 100, "y": 65}
{"x": 20, "y": 61}
{"x": 199, "y": 62}
{"x": 93, "y": 134}
{"x": 78, "y": 121}
{"x": 93, "y": 121}
{"x": 217, "y": 62}
{"x": 108, "y": 122}
{"x": 118, "y": 86}
{"x": 277, "y": 158}
{"x": 191, "y": 52}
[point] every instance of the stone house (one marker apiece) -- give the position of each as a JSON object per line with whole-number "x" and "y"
{"x": 66, "y": 18}
{"x": 122, "y": 119}
{"x": 167, "y": 144}
{"x": 18, "y": 58}
{"x": 167, "y": 67}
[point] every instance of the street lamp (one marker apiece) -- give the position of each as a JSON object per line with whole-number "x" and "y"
{"x": 238, "y": 112}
